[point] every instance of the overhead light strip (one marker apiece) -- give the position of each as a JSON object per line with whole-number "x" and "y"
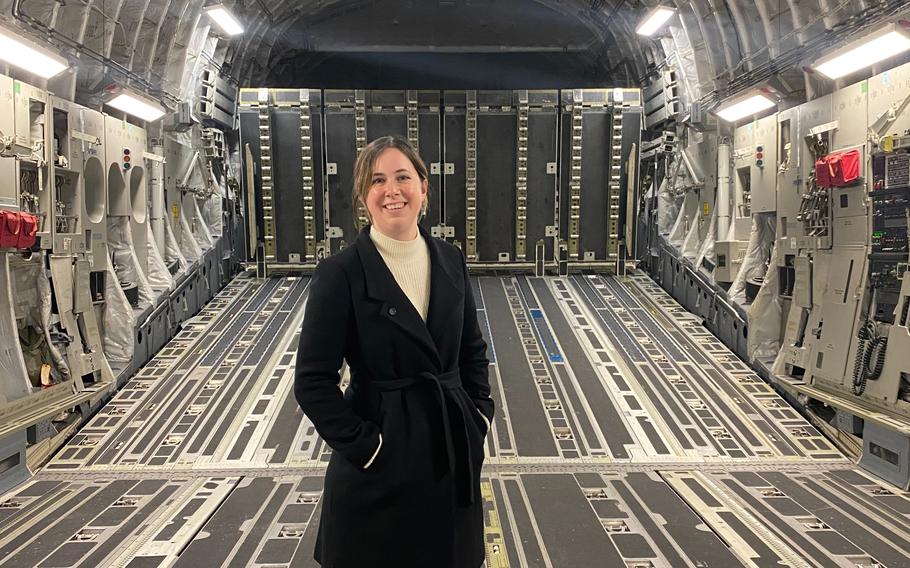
{"x": 878, "y": 46}
{"x": 225, "y": 19}
{"x": 28, "y": 56}
{"x": 745, "y": 107}
{"x": 656, "y": 18}
{"x": 137, "y": 106}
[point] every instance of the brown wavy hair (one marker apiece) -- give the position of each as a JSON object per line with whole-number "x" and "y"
{"x": 363, "y": 173}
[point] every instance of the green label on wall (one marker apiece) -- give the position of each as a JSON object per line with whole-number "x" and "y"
{"x": 18, "y": 88}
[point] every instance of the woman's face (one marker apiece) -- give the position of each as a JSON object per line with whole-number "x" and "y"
{"x": 396, "y": 195}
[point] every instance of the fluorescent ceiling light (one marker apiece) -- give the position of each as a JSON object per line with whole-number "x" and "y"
{"x": 137, "y": 105}
{"x": 29, "y": 56}
{"x": 884, "y": 43}
{"x": 225, "y": 20}
{"x": 654, "y": 20}
{"x": 742, "y": 108}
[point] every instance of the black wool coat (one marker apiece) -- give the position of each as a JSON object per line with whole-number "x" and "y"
{"x": 422, "y": 385}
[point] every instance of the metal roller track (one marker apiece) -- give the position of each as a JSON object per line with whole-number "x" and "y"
{"x": 615, "y": 175}
{"x": 521, "y": 178}
{"x": 413, "y": 119}
{"x": 360, "y": 131}
{"x": 625, "y": 435}
{"x": 309, "y": 179}
{"x": 575, "y": 174}
{"x": 471, "y": 176}
{"x": 265, "y": 153}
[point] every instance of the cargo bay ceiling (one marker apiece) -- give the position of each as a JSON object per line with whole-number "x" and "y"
{"x": 722, "y": 45}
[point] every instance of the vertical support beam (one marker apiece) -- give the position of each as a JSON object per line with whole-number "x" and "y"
{"x": 615, "y": 175}
{"x": 575, "y": 175}
{"x": 413, "y": 123}
{"x": 521, "y": 178}
{"x": 309, "y": 192}
{"x": 265, "y": 152}
{"x": 360, "y": 130}
{"x": 471, "y": 176}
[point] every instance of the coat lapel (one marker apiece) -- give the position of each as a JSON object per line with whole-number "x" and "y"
{"x": 397, "y": 308}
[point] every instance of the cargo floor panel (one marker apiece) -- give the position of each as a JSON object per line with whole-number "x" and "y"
{"x": 625, "y": 435}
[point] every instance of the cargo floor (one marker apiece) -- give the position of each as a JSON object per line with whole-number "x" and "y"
{"x": 626, "y": 435}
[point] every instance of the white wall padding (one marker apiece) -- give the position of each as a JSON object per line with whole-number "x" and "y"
{"x": 172, "y": 250}
{"x": 668, "y": 206}
{"x": 761, "y": 240}
{"x": 201, "y": 230}
{"x": 765, "y": 315}
{"x": 159, "y": 277}
{"x": 188, "y": 244}
{"x": 119, "y": 322}
{"x": 684, "y": 220}
{"x": 120, "y": 241}
{"x": 706, "y": 250}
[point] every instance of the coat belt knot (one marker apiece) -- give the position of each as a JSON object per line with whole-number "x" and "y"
{"x": 442, "y": 385}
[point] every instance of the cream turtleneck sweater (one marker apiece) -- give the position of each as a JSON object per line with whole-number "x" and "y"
{"x": 409, "y": 263}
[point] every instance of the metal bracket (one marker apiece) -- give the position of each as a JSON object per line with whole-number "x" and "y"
{"x": 86, "y": 137}
{"x": 442, "y": 231}
{"x": 435, "y": 168}
{"x": 331, "y": 169}
{"x": 335, "y": 233}
{"x": 551, "y": 231}
{"x": 154, "y": 157}
{"x": 551, "y": 167}
{"x": 450, "y": 168}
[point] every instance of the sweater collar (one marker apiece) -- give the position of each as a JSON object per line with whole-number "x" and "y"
{"x": 399, "y": 250}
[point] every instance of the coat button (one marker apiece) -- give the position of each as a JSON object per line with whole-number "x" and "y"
{"x": 392, "y": 311}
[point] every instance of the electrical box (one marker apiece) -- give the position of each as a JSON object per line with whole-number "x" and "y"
{"x": 730, "y": 256}
{"x": 763, "y": 161}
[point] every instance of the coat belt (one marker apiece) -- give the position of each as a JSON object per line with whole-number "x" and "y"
{"x": 442, "y": 383}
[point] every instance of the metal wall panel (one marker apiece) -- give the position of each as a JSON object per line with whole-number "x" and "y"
{"x": 543, "y": 135}
{"x": 595, "y": 179}
{"x": 496, "y": 163}
{"x": 454, "y": 146}
{"x": 287, "y": 168}
{"x": 789, "y": 183}
{"x": 430, "y": 147}
{"x": 340, "y": 155}
{"x": 851, "y": 107}
{"x": 9, "y": 193}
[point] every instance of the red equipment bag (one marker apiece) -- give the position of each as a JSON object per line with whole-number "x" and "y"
{"x": 822, "y": 173}
{"x": 10, "y": 227}
{"x": 28, "y": 229}
{"x": 838, "y": 169}
{"x": 846, "y": 168}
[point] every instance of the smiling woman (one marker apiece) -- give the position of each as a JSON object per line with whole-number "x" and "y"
{"x": 407, "y": 436}
{"x": 390, "y": 184}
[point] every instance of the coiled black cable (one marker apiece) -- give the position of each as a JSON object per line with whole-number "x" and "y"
{"x": 869, "y": 361}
